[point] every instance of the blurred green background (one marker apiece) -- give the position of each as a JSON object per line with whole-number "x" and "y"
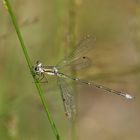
{"x": 50, "y": 28}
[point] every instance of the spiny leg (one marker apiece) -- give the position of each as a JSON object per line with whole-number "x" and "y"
{"x": 42, "y": 76}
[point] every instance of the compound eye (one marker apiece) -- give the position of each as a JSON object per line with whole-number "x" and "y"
{"x": 36, "y": 68}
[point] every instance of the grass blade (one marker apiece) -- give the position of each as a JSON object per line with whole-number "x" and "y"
{"x": 28, "y": 60}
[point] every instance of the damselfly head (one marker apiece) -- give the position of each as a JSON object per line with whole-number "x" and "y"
{"x": 38, "y": 68}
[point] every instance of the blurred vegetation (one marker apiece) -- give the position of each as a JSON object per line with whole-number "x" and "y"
{"x": 50, "y": 30}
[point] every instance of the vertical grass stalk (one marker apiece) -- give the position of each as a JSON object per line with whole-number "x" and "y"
{"x": 28, "y": 60}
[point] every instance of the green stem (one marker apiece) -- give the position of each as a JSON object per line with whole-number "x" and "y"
{"x": 28, "y": 60}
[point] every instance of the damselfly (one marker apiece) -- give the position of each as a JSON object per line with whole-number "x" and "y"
{"x": 76, "y": 56}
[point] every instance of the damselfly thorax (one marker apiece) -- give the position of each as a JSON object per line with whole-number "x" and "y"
{"x": 38, "y": 68}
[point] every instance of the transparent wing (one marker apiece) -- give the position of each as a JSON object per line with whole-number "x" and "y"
{"x": 67, "y": 98}
{"x": 81, "y": 48}
{"x": 80, "y": 63}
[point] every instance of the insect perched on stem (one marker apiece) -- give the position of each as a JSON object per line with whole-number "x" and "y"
{"x": 76, "y": 56}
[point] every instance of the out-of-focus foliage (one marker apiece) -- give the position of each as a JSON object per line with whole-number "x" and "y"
{"x": 46, "y": 26}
